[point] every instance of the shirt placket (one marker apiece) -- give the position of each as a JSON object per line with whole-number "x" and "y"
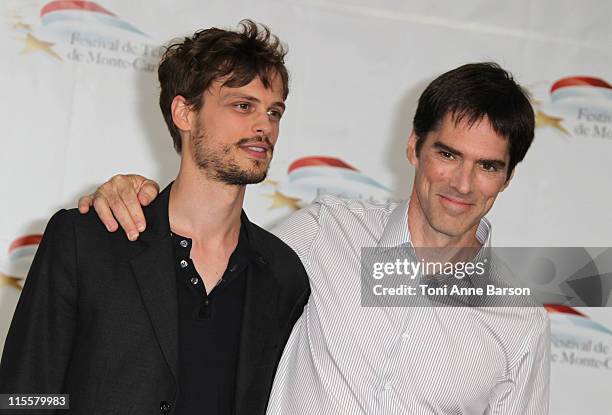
{"x": 190, "y": 276}
{"x": 389, "y": 399}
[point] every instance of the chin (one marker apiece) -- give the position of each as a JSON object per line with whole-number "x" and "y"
{"x": 450, "y": 229}
{"x": 256, "y": 179}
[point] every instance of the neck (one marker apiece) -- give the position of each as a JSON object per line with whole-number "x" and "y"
{"x": 423, "y": 235}
{"x": 204, "y": 209}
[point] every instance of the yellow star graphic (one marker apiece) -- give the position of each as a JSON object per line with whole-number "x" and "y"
{"x": 270, "y": 182}
{"x": 544, "y": 120}
{"x": 33, "y": 44}
{"x": 10, "y": 281}
{"x": 535, "y": 102}
{"x": 12, "y": 14}
{"x": 21, "y": 25}
{"x": 281, "y": 200}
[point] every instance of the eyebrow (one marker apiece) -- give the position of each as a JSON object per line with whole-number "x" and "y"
{"x": 253, "y": 99}
{"x": 499, "y": 164}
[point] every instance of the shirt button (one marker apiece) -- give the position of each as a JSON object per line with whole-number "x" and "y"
{"x": 194, "y": 281}
{"x": 184, "y": 263}
{"x": 405, "y": 336}
{"x": 388, "y": 386}
{"x": 165, "y": 407}
{"x": 184, "y": 243}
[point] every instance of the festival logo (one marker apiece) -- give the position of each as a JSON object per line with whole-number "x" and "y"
{"x": 564, "y": 276}
{"x": 576, "y": 106}
{"x": 17, "y": 264}
{"x": 83, "y": 32}
{"x": 570, "y": 317}
{"x": 309, "y": 177}
{"x": 577, "y": 340}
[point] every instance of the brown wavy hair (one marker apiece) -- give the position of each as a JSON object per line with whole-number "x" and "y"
{"x": 189, "y": 67}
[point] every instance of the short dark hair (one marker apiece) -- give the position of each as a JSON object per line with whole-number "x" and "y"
{"x": 188, "y": 68}
{"x": 472, "y": 92}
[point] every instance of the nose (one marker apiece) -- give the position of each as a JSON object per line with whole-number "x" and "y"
{"x": 262, "y": 124}
{"x": 462, "y": 178}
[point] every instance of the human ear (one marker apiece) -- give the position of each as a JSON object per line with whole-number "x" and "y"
{"x": 181, "y": 113}
{"x": 411, "y": 149}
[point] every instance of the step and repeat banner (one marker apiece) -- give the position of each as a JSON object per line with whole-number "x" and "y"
{"x": 79, "y": 105}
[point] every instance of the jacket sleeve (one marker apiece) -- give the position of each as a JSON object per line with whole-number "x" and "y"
{"x": 39, "y": 342}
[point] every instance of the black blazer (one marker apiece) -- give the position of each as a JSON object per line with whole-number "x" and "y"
{"x": 98, "y": 318}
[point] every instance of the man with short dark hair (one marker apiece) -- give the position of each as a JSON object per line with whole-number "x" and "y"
{"x": 193, "y": 317}
{"x": 472, "y": 126}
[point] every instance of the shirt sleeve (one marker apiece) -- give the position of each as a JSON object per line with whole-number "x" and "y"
{"x": 527, "y": 389}
{"x": 39, "y": 342}
{"x": 300, "y": 230}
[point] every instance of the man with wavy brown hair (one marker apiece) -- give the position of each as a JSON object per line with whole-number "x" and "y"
{"x": 193, "y": 317}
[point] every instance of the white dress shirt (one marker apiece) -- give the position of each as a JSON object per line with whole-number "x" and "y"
{"x": 342, "y": 358}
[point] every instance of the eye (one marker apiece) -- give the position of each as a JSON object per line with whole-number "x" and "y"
{"x": 276, "y": 114}
{"x": 447, "y": 155}
{"x": 488, "y": 167}
{"x": 243, "y": 106}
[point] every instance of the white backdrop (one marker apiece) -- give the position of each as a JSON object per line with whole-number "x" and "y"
{"x": 80, "y": 104}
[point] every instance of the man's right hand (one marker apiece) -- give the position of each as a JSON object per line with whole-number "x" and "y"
{"x": 120, "y": 199}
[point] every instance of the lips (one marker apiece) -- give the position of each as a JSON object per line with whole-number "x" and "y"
{"x": 256, "y": 149}
{"x": 455, "y": 205}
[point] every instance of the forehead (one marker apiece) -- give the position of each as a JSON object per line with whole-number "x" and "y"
{"x": 478, "y": 139}
{"x": 255, "y": 88}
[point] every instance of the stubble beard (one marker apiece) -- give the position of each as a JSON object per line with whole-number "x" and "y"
{"x": 217, "y": 164}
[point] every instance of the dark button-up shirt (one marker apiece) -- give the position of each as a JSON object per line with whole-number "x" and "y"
{"x": 209, "y": 330}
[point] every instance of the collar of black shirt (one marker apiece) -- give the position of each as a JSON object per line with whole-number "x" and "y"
{"x": 243, "y": 254}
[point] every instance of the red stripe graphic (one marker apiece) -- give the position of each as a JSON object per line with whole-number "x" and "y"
{"x": 580, "y": 81}
{"x": 319, "y": 161}
{"x": 74, "y": 5}
{"x": 25, "y": 241}
{"x": 557, "y": 308}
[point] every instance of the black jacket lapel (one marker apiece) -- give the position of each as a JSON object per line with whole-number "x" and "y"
{"x": 155, "y": 274}
{"x": 259, "y": 321}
